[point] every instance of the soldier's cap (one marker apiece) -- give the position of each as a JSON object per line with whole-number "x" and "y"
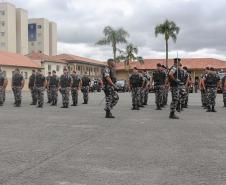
{"x": 185, "y": 68}
{"x": 207, "y": 68}
{"x": 39, "y": 70}
{"x": 33, "y": 71}
{"x": 74, "y": 71}
{"x": 176, "y": 60}
{"x": 163, "y": 66}
{"x": 53, "y": 71}
{"x": 159, "y": 65}
{"x": 110, "y": 60}
{"x": 65, "y": 69}
{"x": 49, "y": 73}
{"x": 135, "y": 68}
{"x": 17, "y": 69}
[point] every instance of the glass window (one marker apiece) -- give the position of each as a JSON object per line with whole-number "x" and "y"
{"x": 2, "y": 23}
{"x": 2, "y": 34}
{"x": 49, "y": 68}
{"x": 39, "y": 26}
{"x": 2, "y": 12}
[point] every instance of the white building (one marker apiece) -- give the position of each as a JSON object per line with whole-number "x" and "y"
{"x": 22, "y": 31}
{"x": 52, "y": 38}
{"x": 38, "y": 36}
{"x": 7, "y": 27}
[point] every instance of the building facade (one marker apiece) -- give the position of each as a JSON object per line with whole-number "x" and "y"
{"x": 22, "y": 31}
{"x": 52, "y": 38}
{"x": 38, "y": 36}
{"x": 7, "y": 27}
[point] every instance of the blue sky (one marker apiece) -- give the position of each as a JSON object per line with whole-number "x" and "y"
{"x": 80, "y": 25}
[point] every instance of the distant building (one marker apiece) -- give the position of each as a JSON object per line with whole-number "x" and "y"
{"x": 22, "y": 31}
{"x": 82, "y": 65}
{"x": 48, "y": 63}
{"x": 196, "y": 65}
{"x": 7, "y": 27}
{"x": 52, "y": 38}
{"x": 10, "y": 61}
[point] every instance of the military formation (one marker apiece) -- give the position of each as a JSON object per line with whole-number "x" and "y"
{"x": 176, "y": 79}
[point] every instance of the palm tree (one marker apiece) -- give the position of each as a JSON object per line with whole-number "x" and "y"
{"x": 113, "y": 37}
{"x": 170, "y": 30}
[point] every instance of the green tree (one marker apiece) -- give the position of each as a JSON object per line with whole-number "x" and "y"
{"x": 170, "y": 30}
{"x": 113, "y": 37}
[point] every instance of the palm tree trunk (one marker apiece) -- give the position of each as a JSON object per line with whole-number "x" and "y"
{"x": 167, "y": 50}
{"x": 114, "y": 51}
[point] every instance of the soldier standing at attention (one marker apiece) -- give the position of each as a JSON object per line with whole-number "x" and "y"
{"x": 17, "y": 86}
{"x": 48, "y": 89}
{"x": 85, "y": 85}
{"x": 146, "y": 84}
{"x": 134, "y": 81}
{"x": 76, "y": 83}
{"x": 109, "y": 80}
{"x": 159, "y": 79}
{"x": 174, "y": 82}
{"x": 166, "y": 89}
{"x": 65, "y": 85}
{"x": 211, "y": 81}
{"x": 223, "y": 82}
{"x": 53, "y": 86}
{"x": 40, "y": 85}
{"x": 31, "y": 86}
{"x": 203, "y": 88}
{"x": 3, "y": 84}
{"x": 141, "y": 89}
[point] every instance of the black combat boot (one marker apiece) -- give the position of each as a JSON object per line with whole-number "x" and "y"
{"x": 158, "y": 107}
{"x": 63, "y": 106}
{"x": 137, "y": 108}
{"x": 213, "y": 109}
{"x": 133, "y": 108}
{"x": 109, "y": 115}
{"x": 40, "y": 105}
{"x": 173, "y": 116}
{"x": 66, "y": 105}
{"x": 208, "y": 109}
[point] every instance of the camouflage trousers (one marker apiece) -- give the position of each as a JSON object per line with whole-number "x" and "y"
{"x": 74, "y": 95}
{"x": 53, "y": 93}
{"x": 40, "y": 95}
{"x": 49, "y": 95}
{"x": 33, "y": 95}
{"x": 2, "y": 95}
{"x": 17, "y": 94}
{"x": 175, "y": 98}
{"x": 182, "y": 95}
{"x": 135, "y": 93}
{"x": 159, "y": 95}
{"x": 224, "y": 97}
{"x": 85, "y": 91}
{"x": 187, "y": 96}
{"x": 211, "y": 96}
{"x": 165, "y": 96}
{"x": 204, "y": 98}
{"x": 146, "y": 93}
{"x": 111, "y": 98}
{"x": 65, "y": 92}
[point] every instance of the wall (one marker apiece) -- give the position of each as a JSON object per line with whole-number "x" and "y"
{"x": 52, "y": 38}
{"x": 53, "y": 65}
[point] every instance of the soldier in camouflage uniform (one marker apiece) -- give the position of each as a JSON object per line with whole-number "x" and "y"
{"x": 141, "y": 89}
{"x": 211, "y": 81}
{"x": 65, "y": 86}
{"x": 40, "y": 85}
{"x": 109, "y": 88}
{"x": 134, "y": 82}
{"x": 159, "y": 79}
{"x": 166, "y": 89}
{"x": 85, "y": 85}
{"x": 203, "y": 88}
{"x": 31, "y": 86}
{"x": 48, "y": 89}
{"x": 53, "y": 86}
{"x": 17, "y": 86}
{"x": 223, "y": 83}
{"x": 146, "y": 84}
{"x": 174, "y": 82}
{"x": 76, "y": 83}
{"x": 3, "y": 84}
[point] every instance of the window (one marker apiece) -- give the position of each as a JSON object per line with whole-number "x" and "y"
{"x": 2, "y": 23}
{"x": 78, "y": 68}
{"x": 25, "y": 75}
{"x": 40, "y": 51}
{"x": 2, "y": 12}
{"x": 49, "y": 68}
{"x": 57, "y": 68}
{"x": 2, "y": 34}
{"x": 2, "y": 44}
{"x": 39, "y": 26}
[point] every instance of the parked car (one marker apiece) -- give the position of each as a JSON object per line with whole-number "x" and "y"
{"x": 96, "y": 85}
{"x": 122, "y": 86}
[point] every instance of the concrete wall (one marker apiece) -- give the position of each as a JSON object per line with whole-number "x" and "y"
{"x": 52, "y": 38}
{"x": 22, "y": 31}
{"x": 7, "y": 27}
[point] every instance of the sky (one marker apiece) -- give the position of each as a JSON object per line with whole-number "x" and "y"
{"x": 81, "y": 22}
